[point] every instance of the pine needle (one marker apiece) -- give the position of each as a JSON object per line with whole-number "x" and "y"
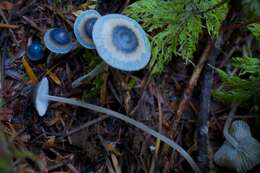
{"x": 29, "y": 71}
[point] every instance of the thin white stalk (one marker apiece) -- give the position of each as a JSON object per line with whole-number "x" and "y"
{"x": 132, "y": 122}
{"x": 98, "y": 69}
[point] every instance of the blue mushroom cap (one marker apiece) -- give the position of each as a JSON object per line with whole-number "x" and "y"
{"x": 121, "y": 42}
{"x": 60, "y": 36}
{"x": 58, "y": 40}
{"x": 83, "y": 28}
{"x": 124, "y": 39}
{"x": 35, "y": 51}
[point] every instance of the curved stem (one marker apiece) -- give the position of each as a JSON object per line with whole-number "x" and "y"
{"x": 99, "y": 68}
{"x": 228, "y": 137}
{"x": 130, "y": 121}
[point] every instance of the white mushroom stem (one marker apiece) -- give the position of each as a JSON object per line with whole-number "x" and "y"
{"x": 130, "y": 121}
{"x": 98, "y": 69}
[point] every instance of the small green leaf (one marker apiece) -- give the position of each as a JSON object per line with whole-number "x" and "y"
{"x": 131, "y": 83}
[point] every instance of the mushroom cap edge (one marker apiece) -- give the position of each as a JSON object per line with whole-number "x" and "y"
{"x": 40, "y": 99}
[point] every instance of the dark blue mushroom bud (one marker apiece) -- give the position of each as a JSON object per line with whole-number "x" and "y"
{"x": 121, "y": 42}
{"x": 83, "y": 28}
{"x": 58, "y": 40}
{"x": 35, "y": 51}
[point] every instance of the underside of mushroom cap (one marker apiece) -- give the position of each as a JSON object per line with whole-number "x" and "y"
{"x": 55, "y": 47}
{"x": 240, "y": 130}
{"x": 243, "y": 157}
{"x": 85, "y": 20}
{"x": 121, "y": 42}
{"x": 40, "y": 96}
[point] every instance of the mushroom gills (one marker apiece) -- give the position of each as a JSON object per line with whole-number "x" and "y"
{"x": 89, "y": 26}
{"x": 83, "y": 28}
{"x": 243, "y": 157}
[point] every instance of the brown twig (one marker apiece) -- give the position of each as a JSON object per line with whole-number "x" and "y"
{"x": 24, "y": 9}
{"x": 60, "y": 15}
{"x": 72, "y": 168}
{"x": 10, "y": 30}
{"x": 33, "y": 24}
{"x": 205, "y": 102}
{"x": 85, "y": 125}
{"x": 60, "y": 164}
{"x": 8, "y": 26}
{"x": 155, "y": 156}
{"x": 240, "y": 25}
{"x": 193, "y": 82}
{"x": 68, "y": 164}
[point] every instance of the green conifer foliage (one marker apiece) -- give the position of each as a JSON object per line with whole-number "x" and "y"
{"x": 255, "y": 30}
{"x": 245, "y": 86}
{"x": 175, "y": 26}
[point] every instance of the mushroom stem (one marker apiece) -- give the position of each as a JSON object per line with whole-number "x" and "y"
{"x": 226, "y": 133}
{"x": 51, "y": 57}
{"x": 130, "y": 121}
{"x": 98, "y": 69}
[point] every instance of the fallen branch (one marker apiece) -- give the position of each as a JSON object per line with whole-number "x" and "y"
{"x": 192, "y": 83}
{"x": 8, "y": 26}
{"x": 205, "y": 100}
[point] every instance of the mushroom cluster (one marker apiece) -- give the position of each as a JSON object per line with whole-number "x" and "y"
{"x": 119, "y": 40}
{"x": 121, "y": 43}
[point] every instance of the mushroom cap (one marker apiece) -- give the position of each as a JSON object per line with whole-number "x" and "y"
{"x": 35, "y": 51}
{"x": 58, "y": 40}
{"x": 40, "y": 99}
{"x": 121, "y": 42}
{"x": 83, "y": 27}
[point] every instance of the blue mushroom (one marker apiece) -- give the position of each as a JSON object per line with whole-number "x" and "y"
{"x": 58, "y": 40}
{"x": 121, "y": 42}
{"x": 83, "y": 27}
{"x": 35, "y": 51}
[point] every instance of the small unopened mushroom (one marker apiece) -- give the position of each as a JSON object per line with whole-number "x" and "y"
{"x": 121, "y": 42}
{"x": 35, "y": 51}
{"x": 41, "y": 99}
{"x": 58, "y": 41}
{"x": 240, "y": 151}
{"x": 83, "y": 28}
